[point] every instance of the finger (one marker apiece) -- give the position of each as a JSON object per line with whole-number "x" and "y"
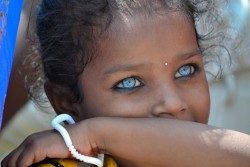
{"x": 42, "y": 146}
{"x": 25, "y": 149}
{"x": 10, "y": 159}
{"x": 31, "y": 146}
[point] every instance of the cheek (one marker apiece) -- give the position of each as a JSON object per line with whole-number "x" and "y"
{"x": 200, "y": 104}
{"x": 202, "y": 110}
{"x": 112, "y": 105}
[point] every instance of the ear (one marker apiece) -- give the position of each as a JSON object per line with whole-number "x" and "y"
{"x": 62, "y": 99}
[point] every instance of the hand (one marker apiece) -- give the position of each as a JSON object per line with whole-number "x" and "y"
{"x": 49, "y": 144}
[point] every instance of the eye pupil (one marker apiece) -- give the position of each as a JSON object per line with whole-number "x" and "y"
{"x": 128, "y": 83}
{"x": 185, "y": 70}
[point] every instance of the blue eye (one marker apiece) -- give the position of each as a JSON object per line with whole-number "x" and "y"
{"x": 185, "y": 71}
{"x": 128, "y": 83}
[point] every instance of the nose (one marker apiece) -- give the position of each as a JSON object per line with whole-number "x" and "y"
{"x": 169, "y": 102}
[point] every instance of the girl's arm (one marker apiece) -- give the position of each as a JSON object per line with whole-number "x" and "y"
{"x": 141, "y": 142}
{"x": 168, "y": 142}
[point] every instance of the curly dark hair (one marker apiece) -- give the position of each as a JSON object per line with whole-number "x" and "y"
{"x": 68, "y": 31}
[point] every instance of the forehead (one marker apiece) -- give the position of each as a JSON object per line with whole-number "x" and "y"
{"x": 144, "y": 38}
{"x": 139, "y": 22}
{"x": 127, "y": 33}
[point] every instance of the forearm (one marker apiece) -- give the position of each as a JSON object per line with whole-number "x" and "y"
{"x": 161, "y": 142}
{"x": 146, "y": 142}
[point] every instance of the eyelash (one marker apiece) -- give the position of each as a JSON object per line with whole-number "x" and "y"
{"x": 192, "y": 67}
{"x": 126, "y": 85}
{"x": 121, "y": 85}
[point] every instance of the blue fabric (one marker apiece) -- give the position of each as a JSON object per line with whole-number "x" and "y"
{"x": 10, "y": 11}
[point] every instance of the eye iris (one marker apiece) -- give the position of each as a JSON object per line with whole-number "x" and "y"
{"x": 186, "y": 70}
{"x": 128, "y": 83}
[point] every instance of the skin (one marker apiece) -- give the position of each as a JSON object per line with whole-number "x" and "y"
{"x": 139, "y": 48}
{"x": 164, "y": 112}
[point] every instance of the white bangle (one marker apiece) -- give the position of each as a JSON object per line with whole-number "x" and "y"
{"x": 56, "y": 123}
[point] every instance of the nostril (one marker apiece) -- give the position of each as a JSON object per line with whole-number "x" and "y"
{"x": 165, "y": 115}
{"x": 183, "y": 110}
{"x": 169, "y": 105}
{"x": 164, "y": 110}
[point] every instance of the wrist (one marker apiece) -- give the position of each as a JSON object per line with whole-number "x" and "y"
{"x": 97, "y": 130}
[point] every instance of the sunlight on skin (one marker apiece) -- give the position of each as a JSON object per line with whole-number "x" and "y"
{"x": 223, "y": 138}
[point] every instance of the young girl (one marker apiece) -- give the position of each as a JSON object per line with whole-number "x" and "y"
{"x": 133, "y": 71}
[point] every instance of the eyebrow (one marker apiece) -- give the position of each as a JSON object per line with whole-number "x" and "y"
{"x": 191, "y": 53}
{"x": 131, "y": 67}
{"x": 125, "y": 67}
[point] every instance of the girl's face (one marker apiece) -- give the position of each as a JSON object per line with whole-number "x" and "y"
{"x": 147, "y": 67}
